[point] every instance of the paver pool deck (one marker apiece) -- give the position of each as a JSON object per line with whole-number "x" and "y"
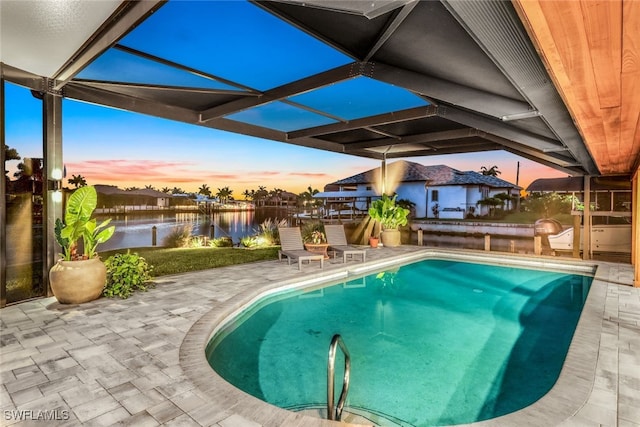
{"x": 132, "y": 362}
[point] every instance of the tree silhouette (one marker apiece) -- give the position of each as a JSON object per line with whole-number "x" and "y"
{"x": 77, "y": 181}
{"x": 492, "y": 171}
{"x": 10, "y": 153}
{"x": 224, "y": 194}
{"x": 306, "y": 197}
{"x": 166, "y": 190}
{"x": 204, "y": 190}
{"x": 177, "y": 190}
{"x": 149, "y": 187}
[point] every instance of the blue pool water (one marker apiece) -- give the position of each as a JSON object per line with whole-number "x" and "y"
{"x": 432, "y": 343}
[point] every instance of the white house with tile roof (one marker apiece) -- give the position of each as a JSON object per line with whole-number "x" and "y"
{"x": 438, "y": 191}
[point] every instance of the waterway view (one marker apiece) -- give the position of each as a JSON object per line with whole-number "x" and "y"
{"x": 135, "y": 230}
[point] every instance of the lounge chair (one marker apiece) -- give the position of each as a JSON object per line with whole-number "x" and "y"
{"x": 293, "y": 248}
{"x": 338, "y": 243}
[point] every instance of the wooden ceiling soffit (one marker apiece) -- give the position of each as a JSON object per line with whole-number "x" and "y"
{"x": 592, "y": 52}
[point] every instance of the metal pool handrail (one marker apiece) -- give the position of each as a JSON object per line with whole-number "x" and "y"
{"x": 336, "y": 413}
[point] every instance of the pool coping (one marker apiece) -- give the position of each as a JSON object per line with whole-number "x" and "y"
{"x": 564, "y": 400}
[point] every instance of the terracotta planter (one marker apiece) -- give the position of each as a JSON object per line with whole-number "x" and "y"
{"x": 75, "y": 282}
{"x": 373, "y": 242}
{"x": 318, "y": 248}
{"x": 390, "y": 237}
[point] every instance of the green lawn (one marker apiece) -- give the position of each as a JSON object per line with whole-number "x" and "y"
{"x": 177, "y": 260}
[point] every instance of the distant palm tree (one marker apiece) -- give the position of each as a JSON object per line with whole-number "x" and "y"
{"x": 306, "y": 197}
{"x": 276, "y": 195}
{"x": 204, "y": 190}
{"x": 224, "y": 194}
{"x": 261, "y": 195}
{"x": 492, "y": 171}
{"x": 166, "y": 190}
{"x": 77, "y": 181}
{"x": 131, "y": 188}
{"x": 248, "y": 194}
{"x": 177, "y": 190}
{"x": 149, "y": 187}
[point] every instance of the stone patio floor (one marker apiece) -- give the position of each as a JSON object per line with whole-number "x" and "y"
{"x": 122, "y": 362}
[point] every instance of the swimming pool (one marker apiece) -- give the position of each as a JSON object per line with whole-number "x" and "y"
{"x": 434, "y": 342}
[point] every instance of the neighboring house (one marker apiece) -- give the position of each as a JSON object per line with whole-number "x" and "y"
{"x": 438, "y": 191}
{"x": 111, "y": 196}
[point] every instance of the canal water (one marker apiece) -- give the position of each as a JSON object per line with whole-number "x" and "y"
{"x": 135, "y": 230}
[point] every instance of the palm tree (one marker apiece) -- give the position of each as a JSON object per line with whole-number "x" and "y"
{"x": 276, "y": 194}
{"x": 492, "y": 171}
{"x": 204, "y": 190}
{"x": 306, "y": 197}
{"x": 131, "y": 188}
{"x": 248, "y": 194}
{"x": 149, "y": 187}
{"x": 177, "y": 190}
{"x": 166, "y": 190}
{"x": 224, "y": 194}
{"x": 261, "y": 194}
{"x": 77, "y": 181}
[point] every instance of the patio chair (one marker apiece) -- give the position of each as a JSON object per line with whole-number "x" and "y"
{"x": 293, "y": 248}
{"x": 338, "y": 243}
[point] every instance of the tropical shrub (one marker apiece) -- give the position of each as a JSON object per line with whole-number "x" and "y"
{"x": 126, "y": 273}
{"x": 267, "y": 232}
{"x": 179, "y": 237}
{"x": 222, "y": 242}
{"x": 548, "y": 204}
{"x": 249, "y": 242}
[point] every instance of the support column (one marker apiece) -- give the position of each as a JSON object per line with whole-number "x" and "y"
{"x": 586, "y": 222}
{"x": 635, "y": 227}
{"x": 54, "y": 200}
{"x": 3, "y": 205}
{"x": 383, "y": 177}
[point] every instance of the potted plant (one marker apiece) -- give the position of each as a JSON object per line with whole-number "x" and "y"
{"x": 314, "y": 238}
{"x": 80, "y": 276}
{"x": 390, "y": 215}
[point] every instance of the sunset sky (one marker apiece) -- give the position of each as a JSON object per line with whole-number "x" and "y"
{"x": 125, "y": 149}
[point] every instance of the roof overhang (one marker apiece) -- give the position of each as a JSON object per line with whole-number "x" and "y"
{"x": 484, "y": 84}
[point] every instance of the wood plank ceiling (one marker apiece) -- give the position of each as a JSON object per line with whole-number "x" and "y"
{"x": 591, "y": 49}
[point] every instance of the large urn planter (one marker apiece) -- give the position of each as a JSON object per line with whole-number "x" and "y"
{"x": 80, "y": 277}
{"x": 390, "y": 237}
{"x": 75, "y": 282}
